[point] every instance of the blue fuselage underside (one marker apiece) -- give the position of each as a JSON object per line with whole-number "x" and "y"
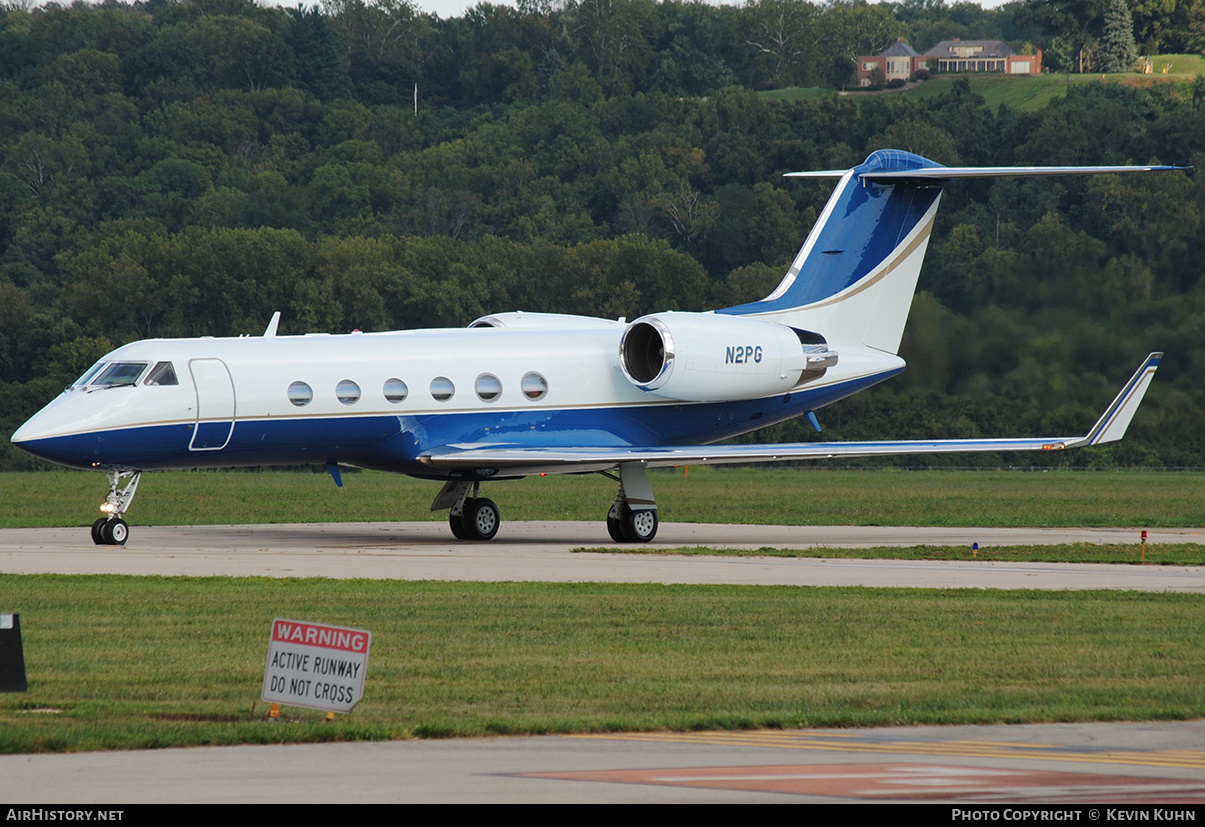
{"x": 394, "y": 443}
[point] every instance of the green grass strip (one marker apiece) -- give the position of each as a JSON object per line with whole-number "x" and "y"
{"x": 135, "y": 662}
{"x": 809, "y": 495}
{"x": 1164, "y": 554}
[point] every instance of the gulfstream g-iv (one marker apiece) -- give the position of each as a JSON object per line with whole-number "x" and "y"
{"x": 528, "y": 393}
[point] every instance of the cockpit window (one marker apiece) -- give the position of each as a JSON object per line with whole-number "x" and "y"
{"x": 87, "y": 377}
{"x": 162, "y": 374}
{"x": 118, "y": 373}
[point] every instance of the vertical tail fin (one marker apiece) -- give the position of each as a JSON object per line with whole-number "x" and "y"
{"x": 854, "y": 277}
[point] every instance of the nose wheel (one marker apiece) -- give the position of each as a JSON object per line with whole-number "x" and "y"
{"x": 113, "y": 530}
{"x": 110, "y": 531}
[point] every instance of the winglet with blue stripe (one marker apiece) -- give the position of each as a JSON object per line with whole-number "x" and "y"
{"x": 1116, "y": 418}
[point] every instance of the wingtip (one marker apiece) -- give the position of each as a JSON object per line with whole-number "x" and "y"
{"x": 1113, "y": 423}
{"x": 817, "y": 173}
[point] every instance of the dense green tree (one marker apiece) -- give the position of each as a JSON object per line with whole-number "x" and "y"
{"x": 1117, "y": 53}
{"x": 849, "y": 29}
{"x": 785, "y": 37}
{"x": 613, "y": 38}
{"x": 315, "y": 54}
{"x": 155, "y": 181}
{"x": 1078, "y": 21}
{"x": 382, "y": 43}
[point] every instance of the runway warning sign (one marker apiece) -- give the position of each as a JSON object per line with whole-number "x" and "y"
{"x": 316, "y": 666}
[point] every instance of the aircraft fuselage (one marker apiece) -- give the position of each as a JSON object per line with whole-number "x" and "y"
{"x": 379, "y": 400}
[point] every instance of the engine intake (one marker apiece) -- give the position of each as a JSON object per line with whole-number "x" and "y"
{"x": 704, "y": 357}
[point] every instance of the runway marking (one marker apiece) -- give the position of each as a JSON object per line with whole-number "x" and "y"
{"x": 871, "y": 743}
{"x": 910, "y": 782}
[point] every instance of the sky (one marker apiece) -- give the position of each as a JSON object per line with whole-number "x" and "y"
{"x": 456, "y": 8}
{"x": 446, "y": 9}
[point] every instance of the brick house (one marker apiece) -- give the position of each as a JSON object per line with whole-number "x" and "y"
{"x": 899, "y": 61}
{"x": 982, "y": 56}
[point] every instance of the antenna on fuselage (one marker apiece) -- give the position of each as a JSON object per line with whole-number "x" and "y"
{"x": 272, "y": 325}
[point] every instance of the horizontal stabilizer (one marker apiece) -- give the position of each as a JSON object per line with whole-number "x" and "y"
{"x": 940, "y": 173}
{"x": 515, "y": 460}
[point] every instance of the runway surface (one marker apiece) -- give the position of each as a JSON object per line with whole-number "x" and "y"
{"x": 1138, "y": 765}
{"x": 531, "y": 551}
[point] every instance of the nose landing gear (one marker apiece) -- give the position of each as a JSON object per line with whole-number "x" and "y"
{"x": 113, "y": 530}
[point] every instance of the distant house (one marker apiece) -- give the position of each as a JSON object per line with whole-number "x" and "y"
{"x": 982, "y": 56}
{"x": 899, "y": 61}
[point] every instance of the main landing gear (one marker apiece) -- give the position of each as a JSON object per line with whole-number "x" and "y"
{"x": 471, "y": 517}
{"x": 113, "y": 530}
{"x": 632, "y": 518}
{"x": 633, "y": 515}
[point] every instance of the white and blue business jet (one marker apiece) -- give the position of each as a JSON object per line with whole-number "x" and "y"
{"x": 532, "y": 393}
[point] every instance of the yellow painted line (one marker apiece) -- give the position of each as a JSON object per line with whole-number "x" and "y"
{"x": 855, "y": 743}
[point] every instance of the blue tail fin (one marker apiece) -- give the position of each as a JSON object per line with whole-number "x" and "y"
{"x": 854, "y": 277}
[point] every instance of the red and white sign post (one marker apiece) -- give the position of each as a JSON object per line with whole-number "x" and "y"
{"x": 315, "y": 665}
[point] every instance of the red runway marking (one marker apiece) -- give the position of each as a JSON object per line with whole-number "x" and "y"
{"x": 912, "y": 782}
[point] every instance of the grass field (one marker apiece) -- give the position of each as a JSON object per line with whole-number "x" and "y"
{"x": 123, "y": 662}
{"x": 1026, "y": 93}
{"x": 809, "y": 495}
{"x": 133, "y": 662}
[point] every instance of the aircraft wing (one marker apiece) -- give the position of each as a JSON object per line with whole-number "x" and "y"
{"x": 505, "y": 460}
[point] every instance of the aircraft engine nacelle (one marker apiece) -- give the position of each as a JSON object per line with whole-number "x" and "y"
{"x": 704, "y": 357}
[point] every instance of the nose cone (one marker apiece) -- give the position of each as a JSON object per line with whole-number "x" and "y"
{"x": 25, "y": 433}
{"x": 38, "y": 427}
{"x": 34, "y": 438}
{"x": 53, "y": 434}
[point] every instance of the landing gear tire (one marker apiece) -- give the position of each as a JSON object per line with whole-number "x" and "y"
{"x": 117, "y": 531}
{"x": 639, "y": 526}
{"x": 456, "y": 522}
{"x": 481, "y": 519}
{"x": 632, "y": 526}
{"x": 112, "y": 532}
{"x": 615, "y": 529}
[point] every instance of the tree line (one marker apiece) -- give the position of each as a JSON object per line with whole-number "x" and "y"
{"x": 173, "y": 169}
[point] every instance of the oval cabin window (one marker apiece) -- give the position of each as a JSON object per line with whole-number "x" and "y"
{"x": 442, "y": 389}
{"x": 395, "y": 391}
{"x": 488, "y": 387}
{"x": 347, "y": 392}
{"x": 534, "y": 386}
{"x": 300, "y": 394}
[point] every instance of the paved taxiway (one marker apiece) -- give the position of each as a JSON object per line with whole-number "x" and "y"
{"x": 1056, "y": 764}
{"x": 544, "y": 552}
